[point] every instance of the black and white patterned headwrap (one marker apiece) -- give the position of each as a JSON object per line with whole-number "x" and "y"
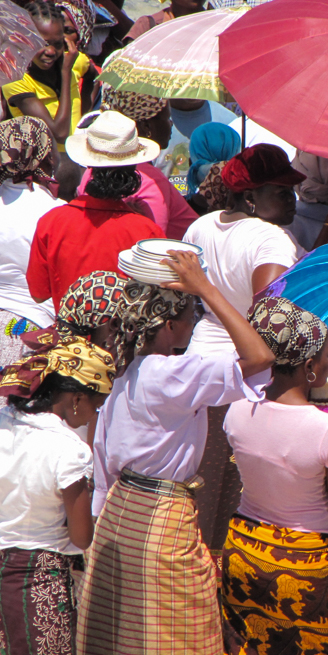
{"x": 293, "y": 334}
{"x": 142, "y": 308}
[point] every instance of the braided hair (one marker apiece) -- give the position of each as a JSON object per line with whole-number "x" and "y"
{"x": 44, "y": 10}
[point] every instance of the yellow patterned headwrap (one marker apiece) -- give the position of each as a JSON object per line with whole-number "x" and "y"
{"x": 72, "y": 357}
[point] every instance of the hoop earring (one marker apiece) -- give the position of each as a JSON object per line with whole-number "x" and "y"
{"x": 75, "y": 409}
{"x": 251, "y": 207}
{"x": 308, "y": 376}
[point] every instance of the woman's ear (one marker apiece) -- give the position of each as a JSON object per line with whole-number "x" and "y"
{"x": 144, "y": 129}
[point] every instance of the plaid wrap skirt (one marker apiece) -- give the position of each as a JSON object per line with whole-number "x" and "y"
{"x": 150, "y": 586}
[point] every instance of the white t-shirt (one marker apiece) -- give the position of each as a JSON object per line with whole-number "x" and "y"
{"x": 155, "y": 421}
{"x": 20, "y": 210}
{"x": 281, "y": 452}
{"x": 233, "y": 251}
{"x": 39, "y": 456}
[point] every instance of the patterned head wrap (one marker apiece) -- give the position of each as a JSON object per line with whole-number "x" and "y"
{"x": 72, "y": 357}
{"x": 213, "y": 189}
{"x": 293, "y": 334}
{"x": 131, "y": 104}
{"x": 142, "y": 308}
{"x": 83, "y": 17}
{"x": 90, "y": 302}
{"x": 25, "y": 142}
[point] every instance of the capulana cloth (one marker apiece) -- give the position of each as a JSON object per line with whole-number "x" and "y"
{"x": 83, "y": 17}
{"x": 293, "y": 334}
{"x": 72, "y": 357}
{"x": 210, "y": 143}
{"x": 315, "y": 188}
{"x": 261, "y": 164}
{"x": 25, "y": 142}
{"x": 213, "y": 189}
{"x": 142, "y": 308}
{"x": 90, "y": 302}
{"x": 131, "y": 104}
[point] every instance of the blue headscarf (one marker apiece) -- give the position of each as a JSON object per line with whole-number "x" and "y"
{"x": 210, "y": 144}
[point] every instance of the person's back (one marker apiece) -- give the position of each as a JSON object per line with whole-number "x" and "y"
{"x": 87, "y": 235}
{"x": 233, "y": 251}
{"x": 281, "y": 466}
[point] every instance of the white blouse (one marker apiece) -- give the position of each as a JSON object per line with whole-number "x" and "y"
{"x": 155, "y": 421}
{"x": 39, "y": 456}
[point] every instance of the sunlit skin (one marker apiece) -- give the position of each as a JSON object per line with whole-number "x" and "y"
{"x": 294, "y": 389}
{"x": 158, "y": 128}
{"x": 275, "y": 203}
{"x": 70, "y": 31}
{"x": 53, "y": 33}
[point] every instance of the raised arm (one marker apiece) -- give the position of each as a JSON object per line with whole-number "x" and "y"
{"x": 254, "y": 355}
{"x": 32, "y": 106}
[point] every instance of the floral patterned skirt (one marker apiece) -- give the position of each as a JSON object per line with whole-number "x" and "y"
{"x": 37, "y": 604}
{"x": 275, "y": 590}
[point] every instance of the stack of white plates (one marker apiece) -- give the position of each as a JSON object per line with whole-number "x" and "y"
{"x": 143, "y": 261}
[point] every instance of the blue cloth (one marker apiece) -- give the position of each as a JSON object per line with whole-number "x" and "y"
{"x": 305, "y": 284}
{"x": 209, "y": 144}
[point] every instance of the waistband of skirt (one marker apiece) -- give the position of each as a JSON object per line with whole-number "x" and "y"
{"x": 247, "y": 529}
{"x": 161, "y": 487}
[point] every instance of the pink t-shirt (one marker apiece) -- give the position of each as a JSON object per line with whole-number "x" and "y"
{"x": 281, "y": 452}
{"x": 157, "y": 199}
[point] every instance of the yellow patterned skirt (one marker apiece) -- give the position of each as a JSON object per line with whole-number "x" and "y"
{"x": 275, "y": 590}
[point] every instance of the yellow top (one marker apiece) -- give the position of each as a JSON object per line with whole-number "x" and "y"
{"x": 48, "y": 96}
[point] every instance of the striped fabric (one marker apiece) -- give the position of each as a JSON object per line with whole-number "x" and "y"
{"x": 150, "y": 586}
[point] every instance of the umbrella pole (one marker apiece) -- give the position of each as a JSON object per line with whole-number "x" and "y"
{"x": 243, "y": 131}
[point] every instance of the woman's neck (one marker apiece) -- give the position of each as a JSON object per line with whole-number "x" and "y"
{"x": 286, "y": 390}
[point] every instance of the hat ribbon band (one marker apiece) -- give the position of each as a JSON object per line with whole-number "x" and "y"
{"x": 118, "y": 155}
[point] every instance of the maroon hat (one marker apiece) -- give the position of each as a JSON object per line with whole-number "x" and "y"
{"x": 259, "y": 165}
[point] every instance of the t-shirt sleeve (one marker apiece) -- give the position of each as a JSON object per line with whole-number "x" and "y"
{"x": 37, "y": 274}
{"x": 274, "y": 246}
{"x": 142, "y": 25}
{"x": 21, "y": 87}
{"x": 193, "y": 381}
{"x": 75, "y": 463}
{"x": 81, "y": 64}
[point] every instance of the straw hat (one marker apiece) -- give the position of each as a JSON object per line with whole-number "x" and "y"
{"x": 111, "y": 140}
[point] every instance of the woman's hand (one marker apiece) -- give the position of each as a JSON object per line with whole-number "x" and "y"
{"x": 69, "y": 56}
{"x": 192, "y": 278}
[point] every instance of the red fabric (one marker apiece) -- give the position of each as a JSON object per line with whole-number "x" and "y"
{"x": 75, "y": 239}
{"x": 261, "y": 164}
{"x": 274, "y": 61}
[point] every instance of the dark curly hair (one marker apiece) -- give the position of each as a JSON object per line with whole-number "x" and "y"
{"x": 117, "y": 183}
{"x": 48, "y": 393}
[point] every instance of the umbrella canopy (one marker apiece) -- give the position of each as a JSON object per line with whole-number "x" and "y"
{"x": 19, "y": 41}
{"x": 305, "y": 284}
{"x": 177, "y": 59}
{"x": 274, "y": 61}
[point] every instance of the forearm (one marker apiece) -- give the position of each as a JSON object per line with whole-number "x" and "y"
{"x": 62, "y": 120}
{"x": 125, "y": 23}
{"x": 254, "y": 355}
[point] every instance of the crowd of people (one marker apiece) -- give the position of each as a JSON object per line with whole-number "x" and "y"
{"x": 163, "y": 486}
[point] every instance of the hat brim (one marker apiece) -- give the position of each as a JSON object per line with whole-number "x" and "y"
{"x": 292, "y": 177}
{"x": 77, "y": 150}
